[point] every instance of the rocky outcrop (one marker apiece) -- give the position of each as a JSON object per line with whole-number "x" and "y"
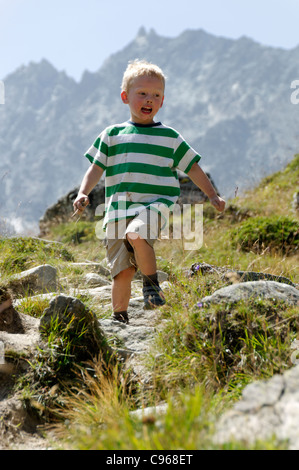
{"x": 63, "y": 209}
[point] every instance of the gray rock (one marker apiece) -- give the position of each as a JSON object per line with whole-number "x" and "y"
{"x": 134, "y": 339}
{"x": 162, "y": 276}
{"x": 268, "y": 408}
{"x": 72, "y": 314}
{"x": 255, "y": 289}
{"x": 40, "y": 279}
{"x": 95, "y": 280}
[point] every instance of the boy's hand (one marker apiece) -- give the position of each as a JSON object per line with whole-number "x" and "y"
{"x": 218, "y": 203}
{"x": 80, "y": 203}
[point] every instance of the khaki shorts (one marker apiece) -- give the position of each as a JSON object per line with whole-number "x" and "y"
{"x": 120, "y": 254}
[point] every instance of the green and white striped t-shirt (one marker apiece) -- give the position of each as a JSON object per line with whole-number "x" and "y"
{"x": 140, "y": 163}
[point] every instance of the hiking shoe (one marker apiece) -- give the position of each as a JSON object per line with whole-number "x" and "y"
{"x": 153, "y": 296}
{"x": 121, "y": 317}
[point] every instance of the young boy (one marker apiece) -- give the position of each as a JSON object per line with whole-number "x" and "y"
{"x": 140, "y": 158}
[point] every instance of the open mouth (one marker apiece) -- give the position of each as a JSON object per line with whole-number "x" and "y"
{"x": 146, "y": 110}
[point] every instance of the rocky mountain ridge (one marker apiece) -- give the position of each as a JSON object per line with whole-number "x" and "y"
{"x": 229, "y": 98}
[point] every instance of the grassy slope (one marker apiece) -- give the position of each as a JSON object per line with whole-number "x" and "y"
{"x": 209, "y": 354}
{"x": 273, "y": 197}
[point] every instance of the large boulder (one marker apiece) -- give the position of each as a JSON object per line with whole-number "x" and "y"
{"x": 254, "y": 289}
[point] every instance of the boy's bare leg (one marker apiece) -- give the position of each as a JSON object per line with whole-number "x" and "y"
{"x": 121, "y": 289}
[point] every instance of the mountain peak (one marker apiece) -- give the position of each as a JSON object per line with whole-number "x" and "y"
{"x": 141, "y": 32}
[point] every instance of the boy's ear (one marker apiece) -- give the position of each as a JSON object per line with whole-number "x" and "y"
{"x": 124, "y": 97}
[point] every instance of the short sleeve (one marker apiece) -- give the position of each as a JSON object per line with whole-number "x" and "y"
{"x": 184, "y": 155}
{"x": 98, "y": 152}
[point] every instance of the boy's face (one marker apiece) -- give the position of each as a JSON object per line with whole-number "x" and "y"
{"x": 145, "y": 97}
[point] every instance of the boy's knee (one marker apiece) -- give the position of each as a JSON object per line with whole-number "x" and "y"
{"x": 126, "y": 274}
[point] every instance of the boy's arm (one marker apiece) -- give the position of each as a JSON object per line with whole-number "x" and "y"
{"x": 90, "y": 179}
{"x": 198, "y": 176}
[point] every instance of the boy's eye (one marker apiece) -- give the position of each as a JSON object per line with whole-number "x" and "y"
{"x": 143, "y": 93}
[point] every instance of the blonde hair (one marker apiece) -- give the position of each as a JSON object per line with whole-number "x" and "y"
{"x": 138, "y": 68}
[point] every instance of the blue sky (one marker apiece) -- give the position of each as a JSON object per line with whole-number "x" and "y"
{"x": 78, "y": 35}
